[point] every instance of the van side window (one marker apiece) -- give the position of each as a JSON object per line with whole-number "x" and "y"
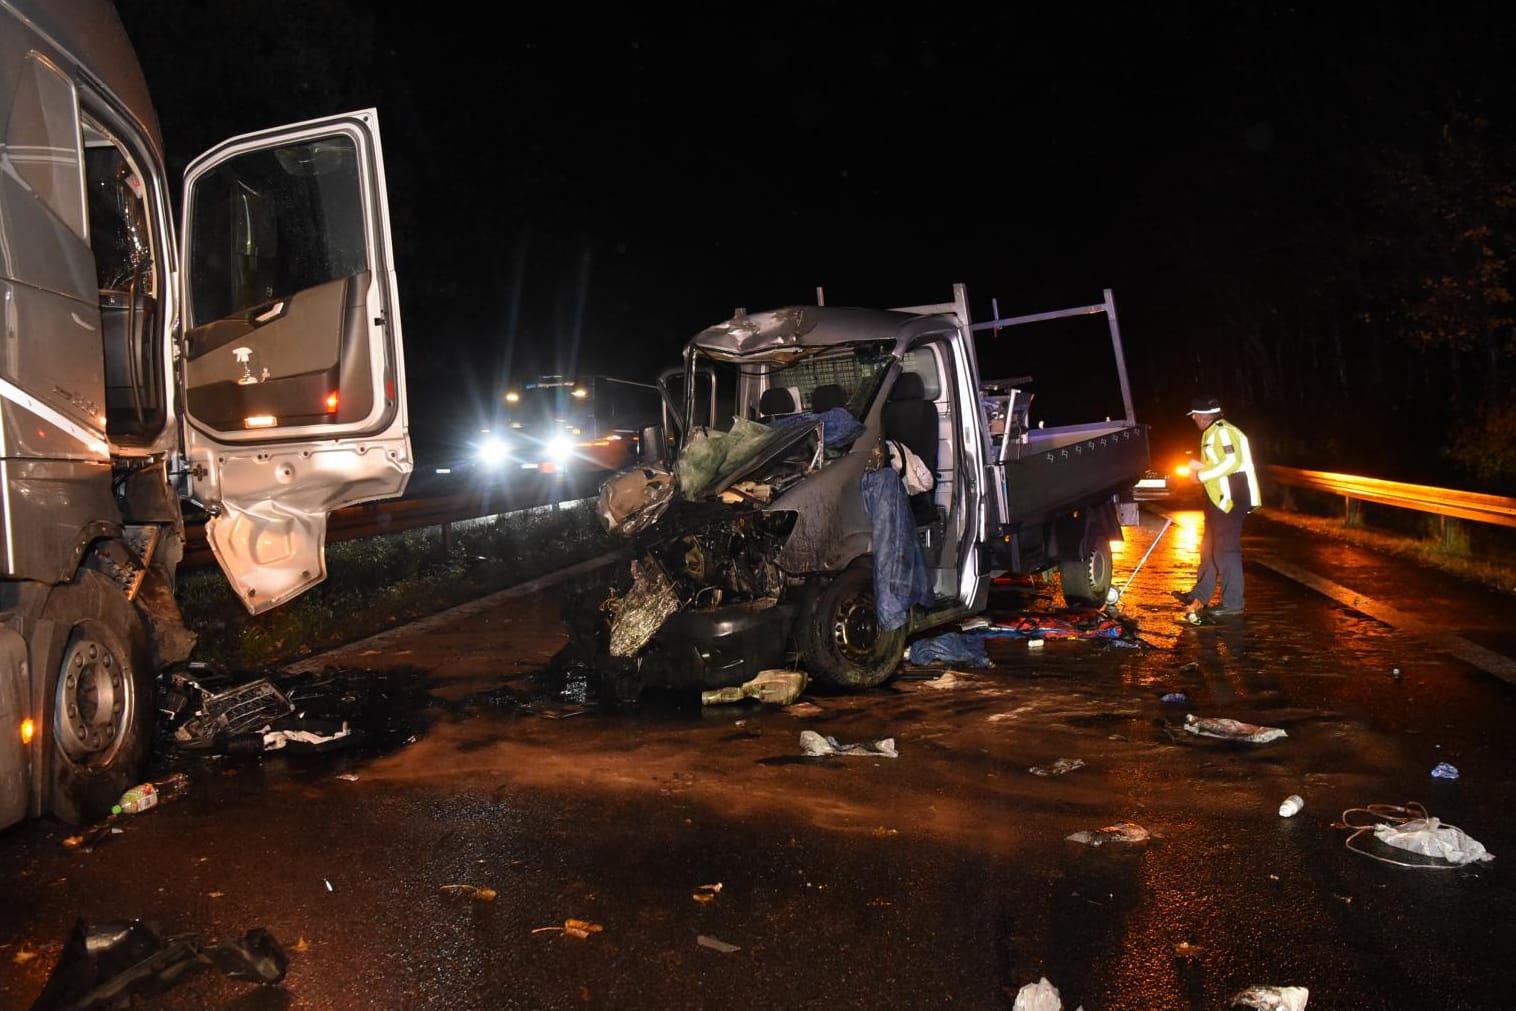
{"x": 42, "y": 141}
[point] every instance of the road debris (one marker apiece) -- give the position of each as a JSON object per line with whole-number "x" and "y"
{"x": 816, "y": 746}
{"x": 1408, "y": 828}
{"x": 776, "y": 687}
{"x": 1445, "y": 770}
{"x": 963, "y": 648}
{"x": 1058, "y": 768}
{"x": 1039, "y": 996}
{"x": 1291, "y": 806}
{"x": 581, "y": 929}
{"x": 105, "y": 965}
{"x": 716, "y": 944}
{"x": 1272, "y": 998}
{"x": 1174, "y": 698}
{"x": 706, "y": 893}
{"x": 1231, "y": 730}
{"x": 1121, "y": 832}
{"x": 471, "y": 891}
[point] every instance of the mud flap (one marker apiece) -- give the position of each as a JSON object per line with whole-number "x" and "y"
{"x": 15, "y": 798}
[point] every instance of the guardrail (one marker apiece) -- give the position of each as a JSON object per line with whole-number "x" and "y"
{"x": 1449, "y": 504}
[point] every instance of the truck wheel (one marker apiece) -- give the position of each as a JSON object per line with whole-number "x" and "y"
{"x": 1087, "y": 580}
{"x": 101, "y": 693}
{"x": 843, "y": 644}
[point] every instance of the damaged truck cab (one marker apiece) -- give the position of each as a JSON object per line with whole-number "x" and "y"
{"x": 788, "y": 535}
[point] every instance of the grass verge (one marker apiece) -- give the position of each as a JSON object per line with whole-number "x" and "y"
{"x": 381, "y": 582}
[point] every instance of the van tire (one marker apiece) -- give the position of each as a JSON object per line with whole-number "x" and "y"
{"x": 1087, "y": 580}
{"x": 841, "y": 641}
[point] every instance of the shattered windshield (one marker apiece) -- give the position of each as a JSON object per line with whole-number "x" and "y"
{"x": 765, "y": 402}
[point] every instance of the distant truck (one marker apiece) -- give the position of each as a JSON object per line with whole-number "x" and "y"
{"x": 251, "y": 366}
{"x": 754, "y": 547}
{"x": 570, "y": 424}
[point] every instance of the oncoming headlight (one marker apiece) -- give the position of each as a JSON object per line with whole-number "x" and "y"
{"x": 492, "y": 452}
{"x": 560, "y": 448}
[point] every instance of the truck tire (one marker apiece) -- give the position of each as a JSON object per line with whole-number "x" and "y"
{"x": 841, "y": 641}
{"x": 1087, "y": 580}
{"x": 100, "y": 691}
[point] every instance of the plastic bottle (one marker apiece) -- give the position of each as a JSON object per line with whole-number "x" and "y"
{"x": 149, "y": 795}
{"x": 1292, "y": 805}
{"x": 136, "y": 800}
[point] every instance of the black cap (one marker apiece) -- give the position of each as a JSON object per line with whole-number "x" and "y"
{"x": 1205, "y": 405}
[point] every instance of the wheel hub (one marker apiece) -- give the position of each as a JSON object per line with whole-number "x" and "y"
{"x": 92, "y": 704}
{"x": 857, "y": 628}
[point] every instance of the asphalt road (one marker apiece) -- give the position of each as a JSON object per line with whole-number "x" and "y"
{"x": 941, "y": 878}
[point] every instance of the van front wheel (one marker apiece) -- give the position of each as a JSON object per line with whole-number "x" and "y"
{"x": 843, "y": 644}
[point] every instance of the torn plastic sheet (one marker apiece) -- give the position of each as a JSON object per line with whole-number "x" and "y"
{"x": 1231, "y": 730}
{"x": 1432, "y": 838}
{"x": 105, "y": 965}
{"x": 816, "y": 746}
{"x": 963, "y": 648}
{"x": 306, "y": 735}
{"x": 1272, "y": 998}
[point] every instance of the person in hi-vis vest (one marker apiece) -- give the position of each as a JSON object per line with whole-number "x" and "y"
{"x": 1226, "y": 471}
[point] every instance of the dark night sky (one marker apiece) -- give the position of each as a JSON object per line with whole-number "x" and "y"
{"x": 585, "y": 190}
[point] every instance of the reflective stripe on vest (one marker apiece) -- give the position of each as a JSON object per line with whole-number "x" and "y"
{"x": 1226, "y": 452}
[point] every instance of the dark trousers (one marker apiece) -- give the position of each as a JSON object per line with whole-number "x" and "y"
{"x": 1221, "y": 554}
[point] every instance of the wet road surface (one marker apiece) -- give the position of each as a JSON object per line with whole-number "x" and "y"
{"x": 941, "y": 878}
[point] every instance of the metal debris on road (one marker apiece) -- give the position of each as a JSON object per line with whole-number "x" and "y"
{"x": 716, "y": 944}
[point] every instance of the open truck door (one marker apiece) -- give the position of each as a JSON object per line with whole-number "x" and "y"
{"x": 291, "y": 367}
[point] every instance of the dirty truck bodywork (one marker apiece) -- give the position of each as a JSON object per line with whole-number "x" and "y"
{"x": 769, "y": 555}
{"x": 254, "y": 370}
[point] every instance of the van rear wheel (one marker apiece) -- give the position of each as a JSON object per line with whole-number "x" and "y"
{"x": 1087, "y": 580}
{"x": 843, "y": 644}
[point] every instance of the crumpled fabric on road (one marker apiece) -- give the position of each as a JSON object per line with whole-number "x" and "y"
{"x": 900, "y": 575}
{"x": 1272, "y": 998}
{"x": 963, "y": 648}
{"x": 1231, "y": 730}
{"x": 1122, "y": 832}
{"x": 816, "y": 746}
{"x": 1039, "y": 996}
{"x": 1431, "y": 838}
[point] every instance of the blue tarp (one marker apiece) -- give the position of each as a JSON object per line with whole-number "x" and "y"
{"x": 838, "y": 426}
{"x": 962, "y": 648}
{"x": 900, "y": 574}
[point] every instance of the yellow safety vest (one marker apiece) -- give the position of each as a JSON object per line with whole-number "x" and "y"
{"x": 1224, "y": 450}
